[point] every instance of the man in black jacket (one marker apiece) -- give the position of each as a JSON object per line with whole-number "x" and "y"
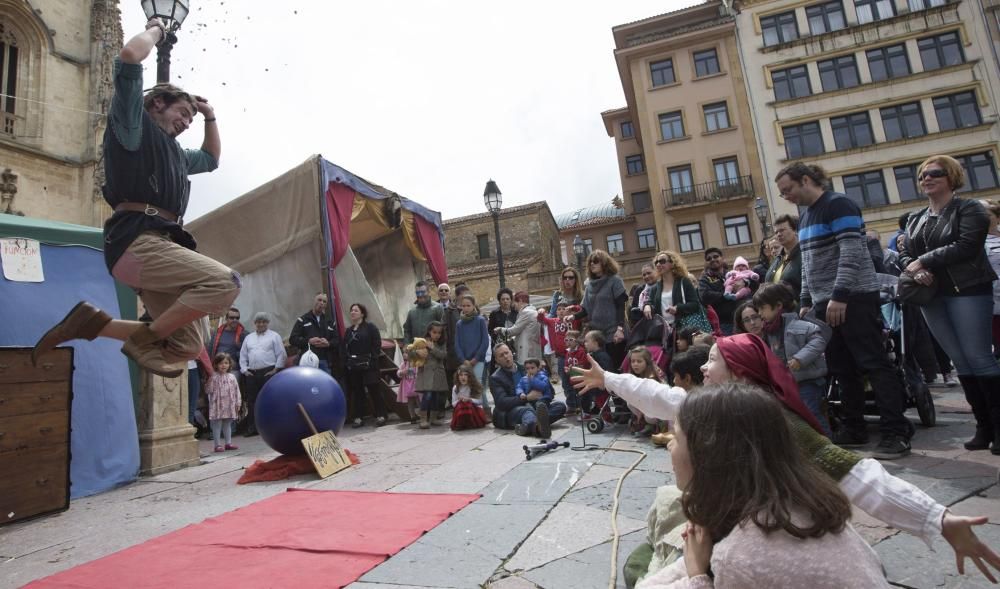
{"x": 712, "y": 287}
{"x": 317, "y": 331}
{"x": 519, "y": 412}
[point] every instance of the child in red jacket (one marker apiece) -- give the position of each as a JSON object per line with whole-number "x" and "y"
{"x": 559, "y": 326}
{"x": 574, "y": 356}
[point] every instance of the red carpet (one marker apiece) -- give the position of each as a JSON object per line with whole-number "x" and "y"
{"x": 298, "y": 539}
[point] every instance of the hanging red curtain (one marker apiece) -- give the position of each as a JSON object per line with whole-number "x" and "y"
{"x": 430, "y": 243}
{"x": 339, "y": 205}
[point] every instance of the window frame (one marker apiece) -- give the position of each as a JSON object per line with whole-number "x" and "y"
{"x": 648, "y": 203}
{"x": 725, "y": 162}
{"x": 954, "y": 108}
{"x": 778, "y": 22}
{"x": 823, "y": 11}
{"x": 632, "y": 159}
{"x": 788, "y": 79}
{"x": 864, "y": 181}
{"x": 918, "y": 5}
{"x": 799, "y": 138}
{"x": 885, "y": 61}
{"x": 837, "y": 66}
{"x": 686, "y": 233}
{"x": 653, "y": 71}
{"x": 684, "y": 188}
{"x": 972, "y": 180}
{"x": 934, "y": 43}
{"x": 619, "y": 240}
{"x": 875, "y": 13}
{"x": 900, "y": 119}
{"x": 700, "y": 58}
{"x": 631, "y": 130}
{"x": 909, "y": 177}
{"x": 480, "y": 242}
{"x": 647, "y": 235}
{"x": 715, "y": 115}
{"x": 737, "y": 223}
{"x": 851, "y": 122}
{"x": 672, "y": 118}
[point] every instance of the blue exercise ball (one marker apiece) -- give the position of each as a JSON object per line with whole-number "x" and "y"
{"x": 277, "y": 415}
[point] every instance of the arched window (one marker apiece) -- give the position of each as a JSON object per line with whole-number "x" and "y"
{"x": 8, "y": 78}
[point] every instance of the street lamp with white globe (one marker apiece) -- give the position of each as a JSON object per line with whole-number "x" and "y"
{"x": 172, "y": 13}
{"x": 492, "y": 198}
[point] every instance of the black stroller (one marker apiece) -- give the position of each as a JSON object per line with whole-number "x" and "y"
{"x": 898, "y": 338}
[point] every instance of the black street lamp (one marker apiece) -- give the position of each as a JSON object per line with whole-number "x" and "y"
{"x": 579, "y": 250}
{"x": 493, "y": 202}
{"x": 172, "y": 13}
{"x": 760, "y": 207}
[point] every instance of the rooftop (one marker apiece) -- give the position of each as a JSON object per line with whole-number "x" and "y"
{"x": 593, "y": 215}
{"x": 490, "y": 265}
{"x": 504, "y": 211}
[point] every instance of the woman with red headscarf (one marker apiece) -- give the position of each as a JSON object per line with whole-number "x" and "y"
{"x": 745, "y": 357}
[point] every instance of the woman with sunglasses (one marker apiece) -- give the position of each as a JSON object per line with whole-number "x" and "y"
{"x": 945, "y": 250}
{"x": 674, "y": 296}
{"x": 570, "y": 289}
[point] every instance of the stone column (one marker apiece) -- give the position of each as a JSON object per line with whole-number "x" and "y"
{"x": 166, "y": 439}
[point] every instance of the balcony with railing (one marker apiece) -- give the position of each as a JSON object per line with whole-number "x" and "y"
{"x": 709, "y": 192}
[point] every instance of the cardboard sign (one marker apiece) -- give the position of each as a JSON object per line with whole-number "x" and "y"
{"x": 326, "y": 454}
{"x": 21, "y": 260}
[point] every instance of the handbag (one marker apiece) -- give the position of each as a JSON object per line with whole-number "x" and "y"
{"x": 911, "y": 292}
{"x": 697, "y": 320}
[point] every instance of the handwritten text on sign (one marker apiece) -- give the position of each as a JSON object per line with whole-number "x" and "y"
{"x": 21, "y": 260}
{"x": 326, "y": 453}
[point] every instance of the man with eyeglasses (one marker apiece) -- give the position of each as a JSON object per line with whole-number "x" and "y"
{"x": 450, "y": 314}
{"x": 838, "y": 279}
{"x": 787, "y": 266}
{"x": 712, "y": 289}
{"x": 229, "y": 338}
{"x": 421, "y": 314}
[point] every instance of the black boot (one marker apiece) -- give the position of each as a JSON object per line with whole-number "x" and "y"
{"x": 990, "y": 386}
{"x": 977, "y": 399}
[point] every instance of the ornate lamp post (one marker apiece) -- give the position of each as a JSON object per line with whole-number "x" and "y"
{"x": 760, "y": 207}
{"x": 172, "y": 13}
{"x": 579, "y": 250}
{"x": 492, "y": 197}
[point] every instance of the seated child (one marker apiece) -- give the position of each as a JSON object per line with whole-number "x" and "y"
{"x": 574, "y": 355}
{"x": 535, "y": 380}
{"x": 739, "y": 279}
{"x": 467, "y": 400}
{"x": 686, "y": 370}
{"x": 592, "y": 401}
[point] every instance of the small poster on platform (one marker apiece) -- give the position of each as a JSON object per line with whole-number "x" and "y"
{"x": 21, "y": 260}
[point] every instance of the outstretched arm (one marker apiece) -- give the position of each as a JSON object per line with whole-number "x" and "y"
{"x": 138, "y": 47}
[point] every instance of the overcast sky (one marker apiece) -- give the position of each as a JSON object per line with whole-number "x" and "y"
{"x": 430, "y": 98}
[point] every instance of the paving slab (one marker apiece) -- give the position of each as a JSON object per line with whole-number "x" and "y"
{"x": 986, "y": 503}
{"x": 512, "y": 582}
{"x": 588, "y": 569}
{"x": 636, "y": 497}
{"x": 542, "y": 483}
{"x": 598, "y": 474}
{"x": 465, "y": 550}
{"x": 568, "y": 528}
{"x": 380, "y": 476}
{"x": 908, "y": 562}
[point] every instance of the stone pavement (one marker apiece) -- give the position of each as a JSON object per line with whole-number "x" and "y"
{"x": 543, "y": 523}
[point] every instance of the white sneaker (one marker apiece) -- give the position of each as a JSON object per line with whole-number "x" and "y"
{"x": 949, "y": 380}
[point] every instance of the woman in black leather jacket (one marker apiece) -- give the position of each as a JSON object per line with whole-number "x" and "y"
{"x": 945, "y": 249}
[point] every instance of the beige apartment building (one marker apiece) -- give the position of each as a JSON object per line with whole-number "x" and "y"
{"x": 868, "y": 89}
{"x": 56, "y": 59}
{"x": 685, "y": 140}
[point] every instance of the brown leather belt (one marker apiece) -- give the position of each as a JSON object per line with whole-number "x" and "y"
{"x": 147, "y": 209}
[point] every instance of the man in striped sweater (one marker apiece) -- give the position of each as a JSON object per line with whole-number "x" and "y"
{"x": 838, "y": 280}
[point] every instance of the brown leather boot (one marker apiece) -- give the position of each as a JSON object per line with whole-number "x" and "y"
{"x": 146, "y": 348}
{"x": 84, "y": 321}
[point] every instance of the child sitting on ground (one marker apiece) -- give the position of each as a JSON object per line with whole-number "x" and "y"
{"x": 223, "y": 401}
{"x": 686, "y": 370}
{"x": 739, "y": 280}
{"x": 799, "y": 343}
{"x": 535, "y": 389}
{"x": 467, "y": 400}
